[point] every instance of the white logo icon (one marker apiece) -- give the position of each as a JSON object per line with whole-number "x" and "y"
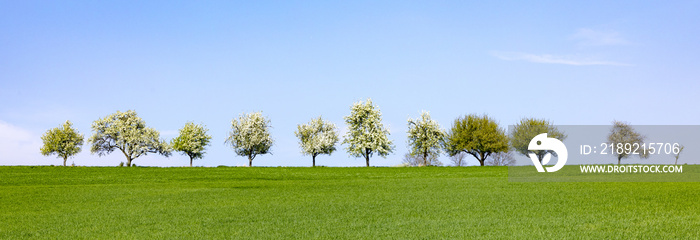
{"x": 542, "y": 142}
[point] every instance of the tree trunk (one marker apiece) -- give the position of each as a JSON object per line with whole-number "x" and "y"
{"x": 482, "y": 158}
{"x": 128, "y": 158}
{"x": 367, "y": 156}
{"x": 313, "y": 159}
{"x": 64, "y": 161}
{"x": 250, "y": 161}
{"x": 190, "y": 161}
{"x": 425, "y": 159}
{"x": 618, "y": 160}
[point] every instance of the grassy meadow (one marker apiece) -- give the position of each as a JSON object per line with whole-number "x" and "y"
{"x": 334, "y": 203}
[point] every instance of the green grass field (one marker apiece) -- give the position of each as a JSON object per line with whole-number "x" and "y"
{"x": 332, "y": 203}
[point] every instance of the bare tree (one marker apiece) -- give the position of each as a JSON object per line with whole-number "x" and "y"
{"x": 501, "y": 159}
{"x": 458, "y": 159}
{"x": 680, "y": 149}
{"x": 418, "y": 160}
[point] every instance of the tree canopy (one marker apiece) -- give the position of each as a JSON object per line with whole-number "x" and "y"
{"x": 528, "y": 128}
{"x": 192, "y": 140}
{"x": 366, "y": 134}
{"x": 425, "y": 138}
{"x": 317, "y": 137}
{"x": 127, "y": 132}
{"x": 250, "y": 136}
{"x": 64, "y": 141}
{"x": 479, "y": 136}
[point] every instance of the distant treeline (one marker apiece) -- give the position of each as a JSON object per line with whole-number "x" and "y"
{"x": 477, "y": 135}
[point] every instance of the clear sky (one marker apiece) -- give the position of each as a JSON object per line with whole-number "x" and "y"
{"x": 587, "y": 62}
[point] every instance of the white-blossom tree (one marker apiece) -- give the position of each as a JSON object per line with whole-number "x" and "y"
{"x": 317, "y": 137}
{"x": 366, "y": 134}
{"x": 622, "y": 133}
{"x": 250, "y": 136}
{"x": 192, "y": 140}
{"x": 64, "y": 141}
{"x": 127, "y": 132}
{"x": 425, "y": 137}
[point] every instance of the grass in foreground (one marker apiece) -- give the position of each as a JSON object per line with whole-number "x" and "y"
{"x": 331, "y": 203}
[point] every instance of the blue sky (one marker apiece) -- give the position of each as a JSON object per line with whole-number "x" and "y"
{"x": 587, "y": 62}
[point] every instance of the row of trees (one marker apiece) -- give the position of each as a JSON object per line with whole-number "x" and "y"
{"x": 474, "y": 135}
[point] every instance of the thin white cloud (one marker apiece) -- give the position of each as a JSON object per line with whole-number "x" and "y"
{"x": 20, "y": 147}
{"x": 590, "y": 37}
{"x": 553, "y": 59}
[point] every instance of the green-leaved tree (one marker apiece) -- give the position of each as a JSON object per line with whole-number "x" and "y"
{"x": 478, "y": 136}
{"x": 528, "y": 128}
{"x": 127, "y": 132}
{"x": 250, "y": 136}
{"x": 64, "y": 141}
{"x": 317, "y": 137}
{"x": 425, "y": 137}
{"x": 192, "y": 140}
{"x": 366, "y": 134}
